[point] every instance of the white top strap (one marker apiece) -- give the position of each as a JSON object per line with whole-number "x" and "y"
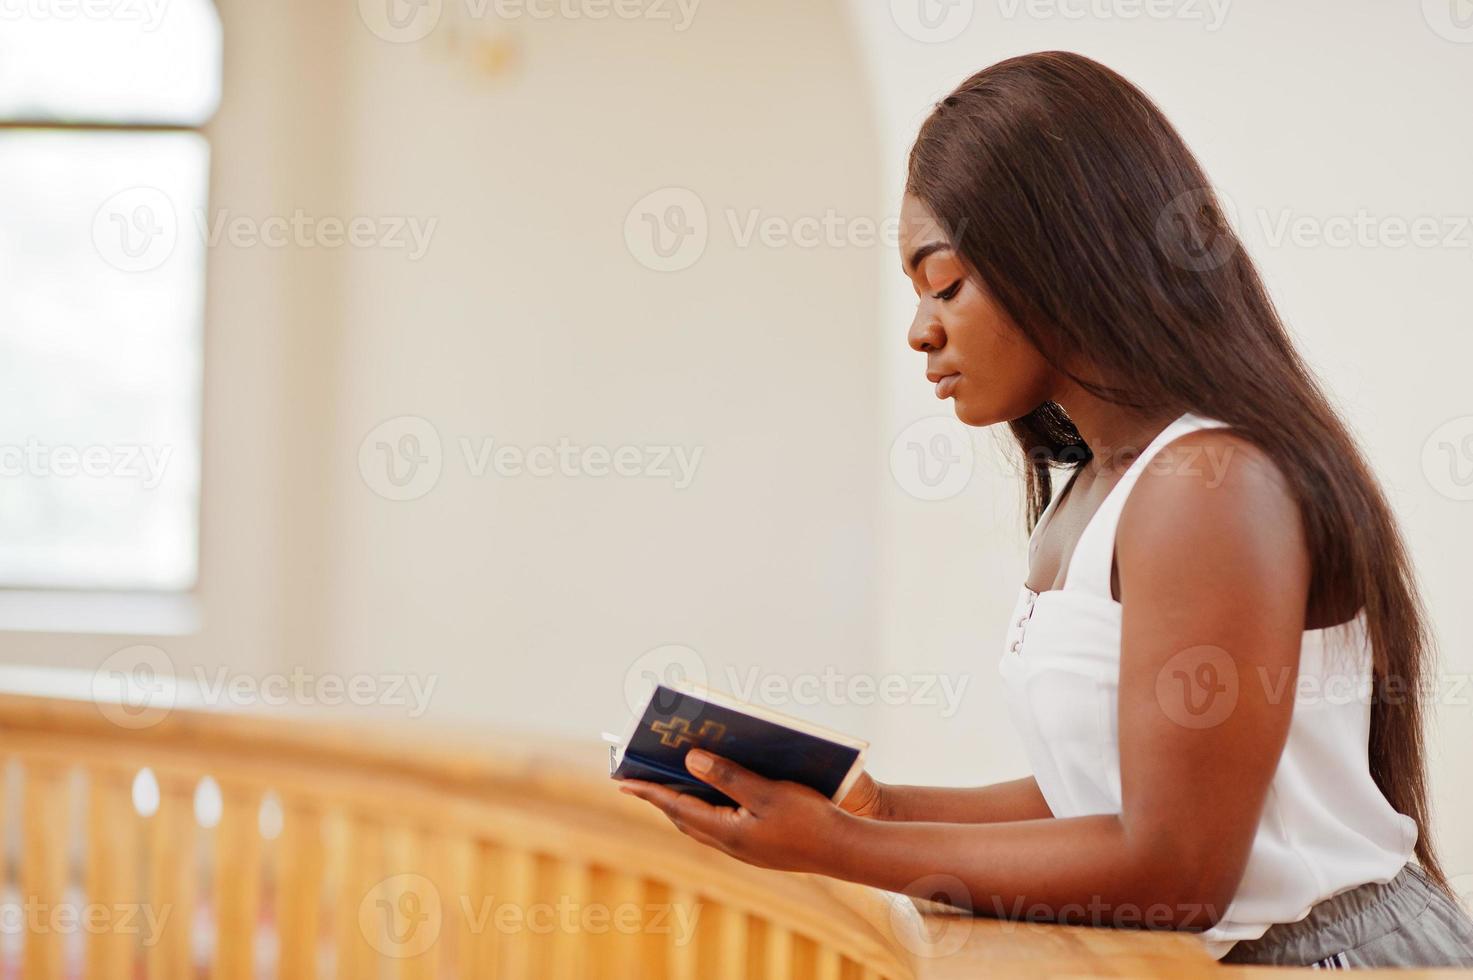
{"x": 1094, "y": 552}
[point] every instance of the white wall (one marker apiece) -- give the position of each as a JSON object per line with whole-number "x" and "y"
{"x": 1306, "y": 110}
{"x": 529, "y": 321}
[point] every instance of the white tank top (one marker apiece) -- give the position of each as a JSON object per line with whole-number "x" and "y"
{"x": 1325, "y": 827}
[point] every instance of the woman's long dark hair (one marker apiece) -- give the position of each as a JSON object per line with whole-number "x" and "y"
{"x": 1087, "y": 219}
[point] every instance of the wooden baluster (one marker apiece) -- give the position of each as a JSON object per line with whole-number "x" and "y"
{"x": 828, "y": 963}
{"x": 336, "y": 844}
{"x": 569, "y": 941}
{"x": 732, "y": 953}
{"x": 414, "y": 911}
{"x": 237, "y": 884}
{"x": 399, "y": 860}
{"x": 438, "y": 960}
{"x": 358, "y": 930}
{"x": 43, "y": 875}
{"x": 113, "y": 837}
{"x": 461, "y": 907}
{"x": 487, "y": 889}
{"x": 619, "y": 950}
{"x": 519, "y": 883}
{"x": 300, "y": 867}
{"x": 777, "y": 953}
{"x": 172, "y": 849}
{"x": 683, "y": 942}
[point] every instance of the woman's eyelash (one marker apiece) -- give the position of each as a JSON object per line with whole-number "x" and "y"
{"x": 949, "y": 292}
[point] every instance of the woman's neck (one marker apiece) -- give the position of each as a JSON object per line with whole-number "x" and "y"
{"x": 1109, "y": 429}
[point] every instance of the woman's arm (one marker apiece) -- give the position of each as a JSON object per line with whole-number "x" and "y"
{"x": 1018, "y": 799}
{"x": 1214, "y": 577}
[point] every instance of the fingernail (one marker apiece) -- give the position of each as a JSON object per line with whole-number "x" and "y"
{"x": 697, "y": 761}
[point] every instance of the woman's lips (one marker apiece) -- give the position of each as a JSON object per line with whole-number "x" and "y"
{"x": 947, "y": 385}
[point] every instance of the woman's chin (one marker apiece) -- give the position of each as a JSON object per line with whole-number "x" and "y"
{"x": 970, "y": 413}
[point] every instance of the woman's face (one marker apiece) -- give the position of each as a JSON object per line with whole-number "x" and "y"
{"x": 974, "y": 354}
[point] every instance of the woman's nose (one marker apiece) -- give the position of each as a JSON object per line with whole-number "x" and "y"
{"x": 926, "y": 334}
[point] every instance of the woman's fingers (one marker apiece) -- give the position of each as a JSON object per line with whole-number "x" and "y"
{"x": 710, "y": 824}
{"x": 743, "y": 785}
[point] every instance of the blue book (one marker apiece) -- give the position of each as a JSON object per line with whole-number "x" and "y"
{"x": 680, "y": 717}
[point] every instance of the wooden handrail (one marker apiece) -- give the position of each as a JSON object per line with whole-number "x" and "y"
{"x": 505, "y": 821}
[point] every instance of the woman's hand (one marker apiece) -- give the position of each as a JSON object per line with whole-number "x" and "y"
{"x": 780, "y": 825}
{"x": 864, "y": 798}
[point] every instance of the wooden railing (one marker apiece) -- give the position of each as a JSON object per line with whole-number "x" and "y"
{"x": 192, "y": 842}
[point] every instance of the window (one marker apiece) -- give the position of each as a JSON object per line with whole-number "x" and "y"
{"x": 103, "y": 184}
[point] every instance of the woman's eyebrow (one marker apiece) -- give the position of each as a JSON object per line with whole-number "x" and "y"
{"x": 919, "y": 255}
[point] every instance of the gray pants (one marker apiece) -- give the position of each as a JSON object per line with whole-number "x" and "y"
{"x": 1408, "y": 921}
